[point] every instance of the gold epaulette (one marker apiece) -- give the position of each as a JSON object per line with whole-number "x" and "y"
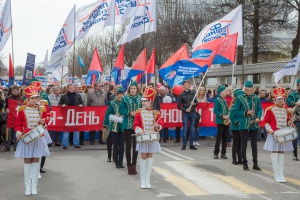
{"x": 139, "y": 110}
{"x": 21, "y": 108}
{"x": 269, "y": 108}
{"x": 44, "y": 102}
{"x": 43, "y": 109}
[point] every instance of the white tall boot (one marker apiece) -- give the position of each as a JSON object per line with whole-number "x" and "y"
{"x": 27, "y": 178}
{"x": 143, "y": 173}
{"x": 34, "y": 176}
{"x": 281, "y": 164}
{"x": 274, "y": 158}
{"x": 148, "y": 172}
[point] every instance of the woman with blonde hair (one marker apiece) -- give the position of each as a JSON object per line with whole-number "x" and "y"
{"x": 202, "y": 95}
{"x": 64, "y": 90}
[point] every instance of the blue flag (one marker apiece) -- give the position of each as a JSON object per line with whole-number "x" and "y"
{"x": 80, "y": 62}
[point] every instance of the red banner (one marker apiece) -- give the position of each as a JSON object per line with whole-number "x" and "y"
{"x": 173, "y": 116}
{"x": 12, "y": 115}
{"x": 75, "y": 118}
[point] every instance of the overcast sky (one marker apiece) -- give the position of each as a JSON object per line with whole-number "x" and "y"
{"x": 36, "y": 24}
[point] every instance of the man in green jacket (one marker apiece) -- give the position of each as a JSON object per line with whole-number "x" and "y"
{"x": 292, "y": 101}
{"x": 221, "y": 111}
{"x": 249, "y": 111}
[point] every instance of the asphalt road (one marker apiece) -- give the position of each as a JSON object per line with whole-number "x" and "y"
{"x": 76, "y": 174}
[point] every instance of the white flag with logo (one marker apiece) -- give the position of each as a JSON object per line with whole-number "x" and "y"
{"x": 144, "y": 21}
{"x": 231, "y": 23}
{"x": 117, "y": 9}
{"x": 5, "y": 24}
{"x": 134, "y": 7}
{"x": 290, "y": 69}
{"x": 59, "y": 68}
{"x": 65, "y": 37}
{"x": 91, "y": 19}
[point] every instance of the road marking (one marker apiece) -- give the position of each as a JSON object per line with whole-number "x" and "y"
{"x": 245, "y": 188}
{"x": 177, "y": 154}
{"x": 187, "y": 187}
{"x": 202, "y": 178}
{"x": 169, "y": 155}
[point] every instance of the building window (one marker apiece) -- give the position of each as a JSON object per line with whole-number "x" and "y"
{"x": 256, "y": 78}
{"x": 229, "y": 82}
{"x": 286, "y": 79}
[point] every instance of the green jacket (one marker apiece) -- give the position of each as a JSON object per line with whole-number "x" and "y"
{"x": 113, "y": 109}
{"x": 242, "y": 105}
{"x": 220, "y": 109}
{"x": 44, "y": 96}
{"x": 292, "y": 100}
{"x": 129, "y": 104}
{"x": 234, "y": 120}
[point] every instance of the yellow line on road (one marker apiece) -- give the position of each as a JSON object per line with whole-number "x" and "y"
{"x": 187, "y": 187}
{"x": 291, "y": 180}
{"x": 245, "y": 188}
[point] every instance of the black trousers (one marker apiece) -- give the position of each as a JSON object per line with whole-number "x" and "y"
{"x": 295, "y": 146}
{"x": 81, "y": 137}
{"x": 109, "y": 144}
{"x": 55, "y": 136}
{"x": 166, "y": 133}
{"x": 43, "y": 160}
{"x": 244, "y": 140}
{"x": 130, "y": 141}
{"x": 177, "y": 134}
{"x": 118, "y": 146}
{"x": 92, "y": 136}
{"x": 221, "y": 136}
{"x": 236, "y": 145}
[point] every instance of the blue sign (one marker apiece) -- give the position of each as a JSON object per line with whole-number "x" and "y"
{"x": 29, "y": 68}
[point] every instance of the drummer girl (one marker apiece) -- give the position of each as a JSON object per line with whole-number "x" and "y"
{"x": 277, "y": 117}
{"x": 147, "y": 120}
{"x": 29, "y": 117}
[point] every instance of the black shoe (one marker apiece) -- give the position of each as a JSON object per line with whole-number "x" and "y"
{"x": 235, "y": 162}
{"x": 240, "y": 162}
{"x": 223, "y": 156}
{"x": 121, "y": 165}
{"x": 65, "y": 147}
{"x": 92, "y": 143}
{"x": 117, "y": 166}
{"x": 255, "y": 167}
{"x": 183, "y": 148}
{"x": 5, "y": 149}
{"x": 245, "y": 167}
{"x": 193, "y": 147}
{"x": 77, "y": 147}
{"x": 100, "y": 142}
{"x": 295, "y": 158}
{"x": 81, "y": 143}
{"x": 177, "y": 141}
{"x": 165, "y": 140}
{"x": 216, "y": 156}
{"x": 108, "y": 159}
{"x": 42, "y": 171}
{"x": 57, "y": 144}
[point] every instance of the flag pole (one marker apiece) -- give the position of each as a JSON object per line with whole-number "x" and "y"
{"x": 294, "y": 82}
{"x": 62, "y": 74}
{"x": 12, "y": 40}
{"x": 112, "y": 44}
{"x": 74, "y": 43}
{"x": 199, "y": 86}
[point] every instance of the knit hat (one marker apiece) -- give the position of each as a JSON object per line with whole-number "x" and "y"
{"x": 248, "y": 84}
{"x": 221, "y": 88}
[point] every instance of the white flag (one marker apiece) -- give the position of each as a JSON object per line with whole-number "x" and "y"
{"x": 134, "y": 7}
{"x": 91, "y": 19}
{"x": 144, "y": 21}
{"x": 231, "y": 23}
{"x": 65, "y": 37}
{"x": 116, "y": 12}
{"x": 290, "y": 69}
{"x": 5, "y": 24}
{"x": 45, "y": 63}
{"x": 59, "y": 68}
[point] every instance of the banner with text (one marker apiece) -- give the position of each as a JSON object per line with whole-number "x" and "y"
{"x": 29, "y": 68}
{"x": 74, "y": 118}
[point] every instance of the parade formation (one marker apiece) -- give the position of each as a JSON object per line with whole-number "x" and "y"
{"x": 134, "y": 116}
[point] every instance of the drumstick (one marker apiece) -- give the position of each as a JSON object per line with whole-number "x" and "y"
{"x": 6, "y": 136}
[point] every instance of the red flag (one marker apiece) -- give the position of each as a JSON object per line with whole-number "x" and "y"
{"x": 96, "y": 64}
{"x": 151, "y": 64}
{"x": 140, "y": 62}
{"x": 119, "y": 64}
{"x": 11, "y": 68}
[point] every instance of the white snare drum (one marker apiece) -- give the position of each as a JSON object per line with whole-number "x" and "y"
{"x": 115, "y": 118}
{"x": 33, "y": 134}
{"x": 142, "y": 138}
{"x": 285, "y": 134}
{"x": 154, "y": 136}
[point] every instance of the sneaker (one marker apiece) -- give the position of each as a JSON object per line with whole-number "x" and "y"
{"x": 197, "y": 143}
{"x": 223, "y": 156}
{"x": 245, "y": 167}
{"x": 65, "y": 147}
{"x": 194, "y": 143}
{"x": 295, "y": 158}
{"x": 193, "y": 147}
{"x": 216, "y": 156}
{"x": 183, "y": 148}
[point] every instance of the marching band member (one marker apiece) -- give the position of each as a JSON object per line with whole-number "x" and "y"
{"x": 234, "y": 127}
{"x": 147, "y": 120}
{"x": 293, "y": 100}
{"x": 116, "y": 130}
{"x": 277, "y": 117}
{"x": 248, "y": 110}
{"x": 29, "y": 117}
{"x": 222, "y": 121}
{"x": 129, "y": 104}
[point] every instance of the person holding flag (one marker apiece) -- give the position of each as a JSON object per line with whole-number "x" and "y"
{"x": 128, "y": 106}
{"x": 248, "y": 109}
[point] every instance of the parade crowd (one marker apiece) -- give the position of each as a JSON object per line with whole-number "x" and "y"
{"x": 137, "y": 113}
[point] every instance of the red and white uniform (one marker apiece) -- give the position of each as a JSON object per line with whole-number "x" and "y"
{"x": 276, "y": 118}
